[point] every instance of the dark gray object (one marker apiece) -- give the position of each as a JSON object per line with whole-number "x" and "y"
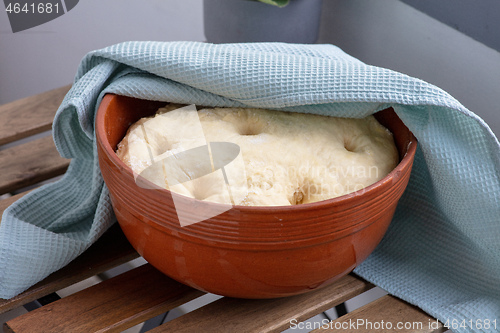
{"x": 233, "y": 21}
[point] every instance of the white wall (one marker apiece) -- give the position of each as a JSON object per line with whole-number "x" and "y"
{"x": 391, "y": 34}
{"x": 386, "y": 33}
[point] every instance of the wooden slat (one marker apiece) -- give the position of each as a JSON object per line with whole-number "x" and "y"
{"x": 31, "y": 115}
{"x": 110, "y": 306}
{"x": 111, "y": 250}
{"x": 30, "y": 163}
{"x": 387, "y": 314}
{"x": 272, "y": 315}
{"x": 9, "y": 201}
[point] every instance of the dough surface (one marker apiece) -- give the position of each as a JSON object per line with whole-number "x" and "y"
{"x": 288, "y": 158}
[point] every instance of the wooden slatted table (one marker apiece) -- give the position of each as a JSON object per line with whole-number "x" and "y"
{"x": 142, "y": 293}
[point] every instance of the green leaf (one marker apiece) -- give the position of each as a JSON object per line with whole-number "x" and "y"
{"x": 279, "y": 3}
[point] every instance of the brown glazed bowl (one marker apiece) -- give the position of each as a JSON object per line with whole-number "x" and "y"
{"x": 248, "y": 252}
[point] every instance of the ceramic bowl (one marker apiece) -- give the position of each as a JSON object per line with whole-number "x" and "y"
{"x": 248, "y": 252}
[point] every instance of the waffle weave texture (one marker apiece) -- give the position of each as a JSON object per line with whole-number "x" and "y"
{"x": 442, "y": 250}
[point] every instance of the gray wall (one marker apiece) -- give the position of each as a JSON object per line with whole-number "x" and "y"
{"x": 47, "y": 56}
{"x": 386, "y": 33}
{"x": 392, "y": 34}
{"x": 478, "y": 19}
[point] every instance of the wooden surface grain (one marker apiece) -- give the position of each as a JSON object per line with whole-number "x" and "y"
{"x": 111, "y": 250}
{"x": 30, "y": 163}
{"x": 29, "y": 116}
{"x": 386, "y": 314}
{"x": 110, "y": 306}
{"x": 268, "y": 315}
{"x": 9, "y": 201}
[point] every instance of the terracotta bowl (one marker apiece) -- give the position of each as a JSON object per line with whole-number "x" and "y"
{"x": 248, "y": 252}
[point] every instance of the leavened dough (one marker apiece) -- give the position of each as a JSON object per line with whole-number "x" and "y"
{"x": 289, "y": 158}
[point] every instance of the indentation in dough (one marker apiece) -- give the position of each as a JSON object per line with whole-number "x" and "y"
{"x": 305, "y": 193}
{"x": 297, "y": 197}
{"x": 348, "y": 145}
{"x": 247, "y": 122}
{"x": 250, "y": 128}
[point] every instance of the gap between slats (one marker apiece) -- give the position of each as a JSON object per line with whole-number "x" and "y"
{"x": 110, "y": 306}
{"x": 28, "y": 116}
{"x": 386, "y": 314}
{"x": 111, "y": 250}
{"x": 271, "y": 315}
{"x": 9, "y": 201}
{"x": 30, "y": 163}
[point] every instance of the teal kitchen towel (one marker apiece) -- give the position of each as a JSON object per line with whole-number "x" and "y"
{"x": 442, "y": 251}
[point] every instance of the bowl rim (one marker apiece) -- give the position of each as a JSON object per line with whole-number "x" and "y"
{"x": 404, "y": 163}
